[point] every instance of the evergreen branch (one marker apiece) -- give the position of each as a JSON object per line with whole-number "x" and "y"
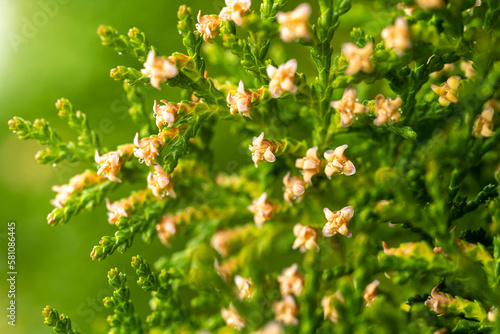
{"x": 134, "y": 44}
{"x": 59, "y": 323}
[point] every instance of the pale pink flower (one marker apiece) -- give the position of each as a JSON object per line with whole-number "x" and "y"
{"x": 282, "y": 78}
{"x": 166, "y": 229}
{"x": 291, "y": 282}
{"x": 241, "y": 101}
{"x": 397, "y": 36}
{"x": 338, "y": 221}
{"x": 244, "y": 287}
{"x": 431, "y": 4}
{"x": 370, "y": 292}
{"x": 305, "y": 238}
{"x": 310, "y": 164}
{"x": 262, "y": 149}
{"x": 407, "y": 9}
{"x": 160, "y": 184}
{"x": 294, "y": 188}
{"x": 220, "y": 241}
{"x": 469, "y": 70}
{"x": 234, "y": 10}
{"x": 262, "y": 209}
{"x": 294, "y": 24}
{"x": 446, "y": 68}
{"x": 483, "y": 124}
{"x": 387, "y": 109}
{"x": 337, "y": 162}
{"x": 271, "y": 328}
{"x": 437, "y": 300}
{"x": 109, "y": 164}
{"x": 147, "y": 148}
{"x": 359, "y": 58}
{"x": 329, "y": 310}
{"x": 76, "y": 184}
{"x": 165, "y": 114}
{"x": 116, "y": 210}
{"x": 208, "y": 26}
{"x": 348, "y": 106}
{"x": 286, "y": 310}
{"x": 448, "y": 91}
{"x": 232, "y": 317}
{"x": 158, "y": 69}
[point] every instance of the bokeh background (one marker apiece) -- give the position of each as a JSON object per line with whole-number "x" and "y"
{"x": 49, "y": 49}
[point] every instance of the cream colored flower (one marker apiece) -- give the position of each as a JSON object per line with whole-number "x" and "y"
{"x": 241, "y": 101}
{"x": 446, "y": 68}
{"x": 359, "y": 58}
{"x": 166, "y": 229}
{"x": 208, "y": 26}
{"x": 271, "y": 328}
{"x": 282, "y": 78}
{"x": 407, "y": 9}
{"x": 492, "y": 314}
{"x": 448, "y": 91}
{"x": 329, "y": 310}
{"x": 348, "y": 106}
{"x": 63, "y": 193}
{"x": 116, "y": 210}
{"x": 262, "y": 210}
{"x": 305, "y": 238}
{"x": 477, "y": 4}
{"x": 147, "y": 148}
{"x": 286, "y": 310}
{"x": 232, "y": 317}
{"x": 370, "y": 292}
{"x": 468, "y": 69}
{"x": 483, "y": 125}
{"x": 220, "y": 241}
{"x": 76, "y": 184}
{"x": 165, "y": 114}
{"x": 160, "y": 184}
{"x": 387, "y": 109}
{"x": 310, "y": 164}
{"x": 244, "y": 287}
{"x": 158, "y": 69}
{"x": 294, "y": 188}
{"x": 109, "y": 164}
{"x": 262, "y": 149}
{"x": 438, "y": 300}
{"x": 397, "y": 36}
{"x": 234, "y": 10}
{"x": 294, "y": 24}
{"x": 338, "y": 221}
{"x": 431, "y": 4}
{"x": 337, "y": 162}
{"x": 291, "y": 282}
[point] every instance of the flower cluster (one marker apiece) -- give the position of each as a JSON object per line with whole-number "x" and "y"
{"x": 262, "y": 209}
{"x": 448, "y": 91}
{"x": 75, "y": 185}
{"x": 262, "y": 150}
{"x": 158, "y": 69}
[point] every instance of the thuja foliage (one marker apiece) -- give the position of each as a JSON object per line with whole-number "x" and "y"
{"x": 370, "y": 200}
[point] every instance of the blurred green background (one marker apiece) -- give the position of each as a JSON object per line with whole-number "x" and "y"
{"x": 49, "y": 49}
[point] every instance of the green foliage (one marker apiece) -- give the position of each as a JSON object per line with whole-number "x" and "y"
{"x": 59, "y": 323}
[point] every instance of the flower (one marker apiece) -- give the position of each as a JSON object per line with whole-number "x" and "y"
{"x": 165, "y": 114}
{"x": 166, "y": 228}
{"x": 348, "y": 106}
{"x": 109, "y": 164}
{"x": 407, "y": 9}
{"x": 76, "y": 184}
{"x": 328, "y": 310}
{"x": 208, "y": 26}
{"x": 159, "y": 183}
{"x": 262, "y": 209}
{"x": 286, "y": 310}
{"x": 234, "y": 9}
{"x": 437, "y": 300}
{"x": 337, "y": 221}
{"x": 294, "y": 188}
{"x": 147, "y": 148}
{"x": 241, "y": 101}
{"x": 431, "y": 4}
{"x": 291, "y": 282}
{"x": 492, "y": 314}
{"x": 387, "y": 109}
{"x": 370, "y": 292}
{"x": 262, "y": 149}
{"x": 232, "y": 318}
{"x": 305, "y": 238}
{"x": 483, "y": 125}
{"x": 220, "y": 241}
{"x": 158, "y": 69}
{"x": 397, "y": 36}
{"x": 310, "y": 164}
{"x": 338, "y": 162}
{"x": 282, "y": 78}
{"x": 116, "y": 210}
{"x": 448, "y": 91}
{"x": 468, "y": 69}
{"x": 270, "y": 328}
{"x": 244, "y": 287}
{"x": 294, "y": 23}
{"x": 359, "y": 58}
{"x": 446, "y": 68}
